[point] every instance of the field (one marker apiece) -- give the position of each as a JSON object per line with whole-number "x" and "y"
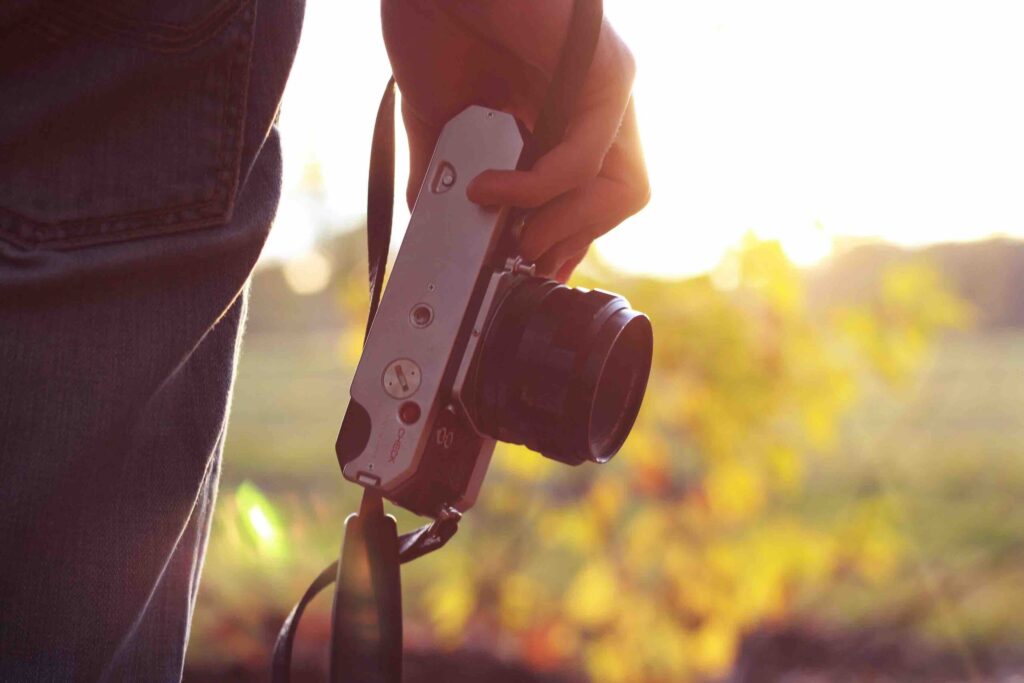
{"x": 943, "y": 454}
{"x": 946, "y": 453}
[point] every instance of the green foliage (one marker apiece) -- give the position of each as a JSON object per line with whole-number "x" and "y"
{"x": 652, "y": 567}
{"x": 898, "y": 324}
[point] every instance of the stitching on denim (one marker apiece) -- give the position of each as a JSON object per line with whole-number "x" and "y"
{"x": 148, "y": 34}
{"x": 213, "y": 210}
{"x": 169, "y": 26}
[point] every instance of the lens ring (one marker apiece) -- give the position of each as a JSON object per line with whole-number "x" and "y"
{"x": 620, "y": 386}
{"x": 562, "y": 371}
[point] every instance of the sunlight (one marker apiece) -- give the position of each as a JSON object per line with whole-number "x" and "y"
{"x": 260, "y": 524}
{"x": 258, "y": 520}
{"x": 308, "y": 273}
{"x": 799, "y": 121}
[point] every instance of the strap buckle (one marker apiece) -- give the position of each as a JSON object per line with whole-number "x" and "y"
{"x": 429, "y": 537}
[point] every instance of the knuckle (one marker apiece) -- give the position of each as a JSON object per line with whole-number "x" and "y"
{"x": 591, "y": 169}
{"x": 530, "y": 249}
{"x": 627, "y": 66}
{"x": 637, "y": 192}
{"x": 562, "y": 253}
{"x": 533, "y": 197}
{"x": 642, "y": 196}
{"x": 619, "y": 65}
{"x": 583, "y": 172}
{"x": 533, "y": 241}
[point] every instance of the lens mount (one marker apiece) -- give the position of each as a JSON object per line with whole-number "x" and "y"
{"x": 562, "y": 371}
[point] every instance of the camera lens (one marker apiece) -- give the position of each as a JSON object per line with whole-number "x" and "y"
{"x": 562, "y": 371}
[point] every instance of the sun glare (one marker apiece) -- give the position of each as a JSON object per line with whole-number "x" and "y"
{"x": 801, "y": 121}
{"x": 260, "y": 524}
{"x": 308, "y": 273}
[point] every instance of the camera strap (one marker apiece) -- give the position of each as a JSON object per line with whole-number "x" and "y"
{"x": 366, "y": 622}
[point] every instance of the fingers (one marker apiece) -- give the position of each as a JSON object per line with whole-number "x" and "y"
{"x": 621, "y": 190}
{"x": 572, "y": 163}
{"x": 555, "y": 260}
{"x": 561, "y": 230}
{"x": 625, "y": 160}
{"x": 580, "y": 156}
{"x": 563, "y": 272}
{"x": 587, "y": 212}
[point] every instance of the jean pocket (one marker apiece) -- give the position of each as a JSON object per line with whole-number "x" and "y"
{"x": 121, "y": 119}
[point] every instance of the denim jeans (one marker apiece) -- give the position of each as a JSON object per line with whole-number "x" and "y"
{"x": 139, "y": 173}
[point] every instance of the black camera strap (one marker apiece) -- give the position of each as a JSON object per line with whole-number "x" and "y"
{"x": 366, "y": 629}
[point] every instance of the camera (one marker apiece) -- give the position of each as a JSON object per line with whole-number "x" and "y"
{"x": 470, "y": 347}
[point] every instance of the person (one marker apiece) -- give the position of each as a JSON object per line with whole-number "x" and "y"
{"x": 139, "y": 173}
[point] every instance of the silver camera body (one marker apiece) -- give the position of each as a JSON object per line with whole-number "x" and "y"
{"x": 468, "y": 346}
{"x": 404, "y": 408}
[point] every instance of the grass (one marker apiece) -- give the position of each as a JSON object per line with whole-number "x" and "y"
{"x": 290, "y": 394}
{"x": 946, "y": 456}
{"x": 944, "y": 453}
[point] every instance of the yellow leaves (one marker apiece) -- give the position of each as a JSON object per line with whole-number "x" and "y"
{"x": 743, "y": 578}
{"x": 642, "y": 643}
{"x": 893, "y": 352}
{"x": 517, "y": 601}
{"x": 662, "y": 644}
{"x": 734, "y": 491}
{"x": 606, "y": 498}
{"x": 522, "y": 463}
{"x": 592, "y": 598}
{"x": 714, "y": 647}
{"x": 813, "y": 555}
{"x": 574, "y": 528}
{"x": 647, "y": 453}
{"x": 718, "y": 425}
{"x": 607, "y": 662}
{"x": 894, "y": 328}
{"x": 665, "y": 558}
{"x": 819, "y": 425}
{"x": 917, "y": 288}
{"x": 648, "y": 644}
{"x": 871, "y": 541}
{"x": 695, "y": 593}
{"x": 879, "y": 555}
{"x": 646, "y": 532}
{"x": 350, "y": 345}
{"x": 650, "y": 569}
{"x": 764, "y": 267}
{"x": 785, "y": 467}
{"x": 450, "y": 603}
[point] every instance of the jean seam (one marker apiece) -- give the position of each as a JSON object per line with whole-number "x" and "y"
{"x": 145, "y": 33}
{"x": 208, "y": 212}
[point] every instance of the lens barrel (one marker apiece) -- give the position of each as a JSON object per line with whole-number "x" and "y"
{"x": 562, "y": 371}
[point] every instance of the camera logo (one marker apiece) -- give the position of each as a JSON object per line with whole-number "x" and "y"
{"x": 396, "y": 446}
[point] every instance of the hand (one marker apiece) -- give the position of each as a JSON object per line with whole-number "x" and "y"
{"x": 448, "y": 55}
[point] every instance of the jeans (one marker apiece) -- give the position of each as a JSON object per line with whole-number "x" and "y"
{"x": 139, "y": 173}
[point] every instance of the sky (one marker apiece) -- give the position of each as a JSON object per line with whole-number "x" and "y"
{"x": 804, "y": 121}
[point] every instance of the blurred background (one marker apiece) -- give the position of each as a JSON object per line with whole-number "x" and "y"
{"x": 824, "y": 482}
